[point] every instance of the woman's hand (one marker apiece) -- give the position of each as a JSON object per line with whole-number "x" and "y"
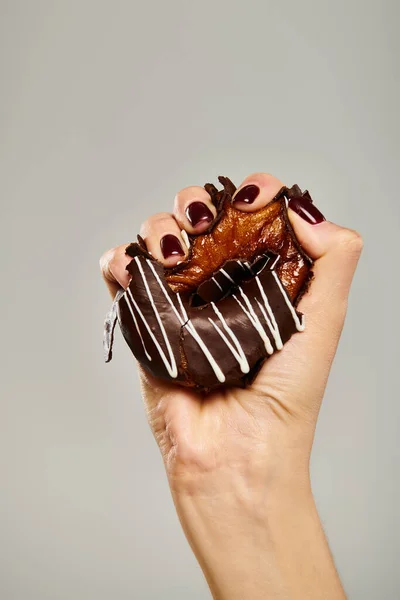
{"x": 238, "y": 460}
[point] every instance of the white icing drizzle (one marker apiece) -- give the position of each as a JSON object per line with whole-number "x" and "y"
{"x": 216, "y": 283}
{"x": 184, "y": 319}
{"x": 160, "y": 283}
{"x": 170, "y": 366}
{"x": 275, "y": 334}
{"x": 277, "y": 258}
{"x": 190, "y": 327}
{"x": 238, "y": 352}
{"x": 230, "y": 339}
{"x": 249, "y": 267}
{"x": 227, "y": 276}
{"x": 300, "y": 325}
{"x": 271, "y": 322}
{"x": 137, "y": 325}
{"x": 239, "y": 262}
{"x": 255, "y": 321}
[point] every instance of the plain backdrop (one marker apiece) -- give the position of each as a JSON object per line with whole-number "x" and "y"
{"x": 107, "y": 109}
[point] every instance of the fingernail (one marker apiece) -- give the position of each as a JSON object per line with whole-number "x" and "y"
{"x": 198, "y": 212}
{"x": 247, "y": 194}
{"x": 307, "y": 211}
{"x": 171, "y": 246}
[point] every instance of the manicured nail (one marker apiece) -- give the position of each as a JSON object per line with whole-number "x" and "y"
{"x": 247, "y": 194}
{"x": 198, "y": 212}
{"x": 307, "y": 211}
{"x": 171, "y": 246}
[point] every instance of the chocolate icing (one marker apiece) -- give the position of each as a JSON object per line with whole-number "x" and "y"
{"x": 215, "y": 318}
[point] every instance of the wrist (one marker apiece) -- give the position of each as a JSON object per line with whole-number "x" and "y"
{"x": 252, "y": 542}
{"x": 280, "y": 464}
{"x": 240, "y": 540}
{"x": 225, "y": 514}
{"x": 240, "y": 496}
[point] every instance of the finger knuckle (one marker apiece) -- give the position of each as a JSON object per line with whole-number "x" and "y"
{"x": 154, "y": 221}
{"x": 265, "y": 179}
{"x": 190, "y": 190}
{"x": 351, "y": 241}
{"x": 106, "y": 259}
{"x": 161, "y": 216}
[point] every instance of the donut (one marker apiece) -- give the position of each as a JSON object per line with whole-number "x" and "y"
{"x": 214, "y": 319}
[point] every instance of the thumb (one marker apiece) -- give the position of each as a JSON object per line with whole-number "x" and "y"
{"x": 336, "y": 251}
{"x": 303, "y": 365}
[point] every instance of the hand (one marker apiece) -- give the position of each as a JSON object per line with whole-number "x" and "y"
{"x": 240, "y": 457}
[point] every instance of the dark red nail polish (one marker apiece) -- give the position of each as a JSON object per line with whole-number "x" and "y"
{"x": 307, "y": 211}
{"x": 198, "y": 212}
{"x": 171, "y": 246}
{"x": 247, "y": 194}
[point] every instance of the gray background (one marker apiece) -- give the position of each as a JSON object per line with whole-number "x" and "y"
{"x": 108, "y": 109}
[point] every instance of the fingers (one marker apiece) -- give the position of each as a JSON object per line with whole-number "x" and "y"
{"x": 165, "y": 240}
{"x": 194, "y": 210}
{"x": 113, "y": 267}
{"x": 166, "y": 235}
{"x": 256, "y": 191}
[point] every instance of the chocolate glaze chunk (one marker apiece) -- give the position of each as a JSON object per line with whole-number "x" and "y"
{"x": 213, "y": 320}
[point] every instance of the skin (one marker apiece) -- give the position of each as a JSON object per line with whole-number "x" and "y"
{"x": 237, "y": 461}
